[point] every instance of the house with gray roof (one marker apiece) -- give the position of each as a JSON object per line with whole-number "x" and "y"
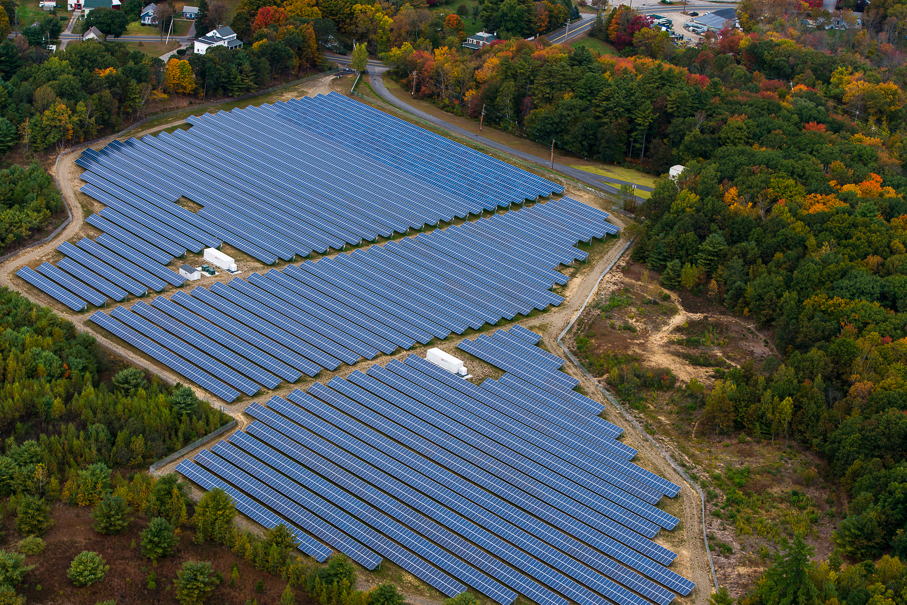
{"x": 223, "y": 36}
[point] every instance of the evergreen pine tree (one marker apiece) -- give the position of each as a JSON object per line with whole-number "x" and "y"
{"x": 711, "y": 253}
{"x": 111, "y": 515}
{"x": 671, "y": 276}
{"x": 659, "y": 257}
{"x": 202, "y": 26}
{"x": 158, "y": 539}
{"x": 288, "y": 597}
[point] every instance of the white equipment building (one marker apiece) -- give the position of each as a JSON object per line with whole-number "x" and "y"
{"x": 219, "y": 259}
{"x": 191, "y": 273}
{"x": 447, "y": 362}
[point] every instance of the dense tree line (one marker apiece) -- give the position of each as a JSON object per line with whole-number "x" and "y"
{"x": 63, "y": 426}
{"x": 28, "y": 197}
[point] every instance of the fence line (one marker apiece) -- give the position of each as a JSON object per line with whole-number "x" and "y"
{"x": 620, "y": 408}
{"x": 197, "y": 443}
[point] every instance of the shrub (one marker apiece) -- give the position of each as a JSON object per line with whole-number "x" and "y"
{"x": 385, "y": 594}
{"x": 8, "y": 596}
{"x": 462, "y": 10}
{"x": 33, "y": 516}
{"x": 158, "y": 539}
{"x": 130, "y": 380}
{"x": 30, "y": 545}
{"x": 111, "y": 515}
{"x": 12, "y": 571}
{"x": 195, "y": 582}
{"x": 181, "y": 51}
{"x": 464, "y": 598}
{"x": 87, "y": 568}
{"x": 288, "y": 597}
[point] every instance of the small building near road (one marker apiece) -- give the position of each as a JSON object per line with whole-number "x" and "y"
{"x": 224, "y": 36}
{"x": 88, "y": 5}
{"x": 190, "y": 12}
{"x": 93, "y": 34}
{"x": 479, "y": 40}
{"x": 716, "y": 20}
{"x": 48, "y": 5}
{"x": 149, "y": 15}
{"x": 191, "y": 273}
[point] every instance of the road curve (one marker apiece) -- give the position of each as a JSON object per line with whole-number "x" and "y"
{"x": 376, "y": 71}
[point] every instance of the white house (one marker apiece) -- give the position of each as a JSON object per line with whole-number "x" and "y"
{"x": 93, "y": 34}
{"x": 224, "y": 36}
{"x": 191, "y": 273}
{"x": 477, "y": 41}
{"x": 148, "y": 16}
{"x": 190, "y": 12}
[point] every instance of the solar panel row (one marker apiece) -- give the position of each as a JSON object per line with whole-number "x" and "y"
{"x": 342, "y": 309}
{"x": 296, "y": 188}
{"x": 440, "y": 481}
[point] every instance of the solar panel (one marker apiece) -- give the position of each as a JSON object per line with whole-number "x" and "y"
{"x": 164, "y": 356}
{"x": 73, "y": 285}
{"x": 51, "y": 289}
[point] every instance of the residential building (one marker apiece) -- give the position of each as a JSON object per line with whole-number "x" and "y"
{"x": 190, "y": 12}
{"x": 93, "y": 34}
{"x": 224, "y": 36}
{"x": 479, "y": 40}
{"x": 149, "y": 15}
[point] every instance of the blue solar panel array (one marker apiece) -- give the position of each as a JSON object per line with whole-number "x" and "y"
{"x": 318, "y": 174}
{"x": 457, "y": 485}
{"x": 359, "y": 305}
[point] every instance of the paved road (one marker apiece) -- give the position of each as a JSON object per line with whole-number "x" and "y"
{"x": 376, "y": 71}
{"x": 582, "y": 27}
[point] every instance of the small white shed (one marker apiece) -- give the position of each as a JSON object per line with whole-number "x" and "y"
{"x": 191, "y": 273}
{"x": 676, "y": 171}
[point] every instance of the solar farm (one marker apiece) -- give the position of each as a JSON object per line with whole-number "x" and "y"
{"x": 369, "y": 237}
{"x": 512, "y": 487}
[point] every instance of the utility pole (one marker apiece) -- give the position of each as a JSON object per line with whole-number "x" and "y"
{"x": 482, "y": 117}
{"x": 413, "y": 93}
{"x": 552, "y": 154}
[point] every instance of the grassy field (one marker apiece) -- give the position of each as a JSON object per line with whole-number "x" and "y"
{"x": 29, "y": 11}
{"x": 180, "y": 29}
{"x": 153, "y": 49}
{"x": 624, "y": 174}
{"x": 594, "y": 44}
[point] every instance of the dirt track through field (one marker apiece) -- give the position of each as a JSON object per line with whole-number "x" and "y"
{"x": 692, "y": 561}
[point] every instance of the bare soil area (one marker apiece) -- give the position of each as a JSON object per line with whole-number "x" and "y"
{"x": 758, "y": 492}
{"x": 127, "y": 580}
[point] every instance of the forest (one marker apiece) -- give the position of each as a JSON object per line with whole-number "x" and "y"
{"x": 791, "y": 211}
{"x": 28, "y": 198}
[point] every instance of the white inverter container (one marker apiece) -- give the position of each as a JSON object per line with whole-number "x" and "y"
{"x": 446, "y": 361}
{"x": 218, "y": 258}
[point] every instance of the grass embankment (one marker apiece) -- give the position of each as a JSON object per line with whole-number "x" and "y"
{"x": 624, "y": 174}
{"x": 595, "y": 45}
{"x": 153, "y": 49}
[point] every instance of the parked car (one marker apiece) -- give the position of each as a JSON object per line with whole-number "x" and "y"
{"x": 693, "y": 14}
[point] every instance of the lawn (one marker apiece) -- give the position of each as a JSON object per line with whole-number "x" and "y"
{"x": 594, "y": 44}
{"x": 28, "y": 11}
{"x": 180, "y": 29}
{"x": 624, "y": 174}
{"x": 137, "y": 29}
{"x": 153, "y": 49}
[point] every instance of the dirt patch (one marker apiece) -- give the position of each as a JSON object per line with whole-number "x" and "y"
{"x": 127, "y": 580}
